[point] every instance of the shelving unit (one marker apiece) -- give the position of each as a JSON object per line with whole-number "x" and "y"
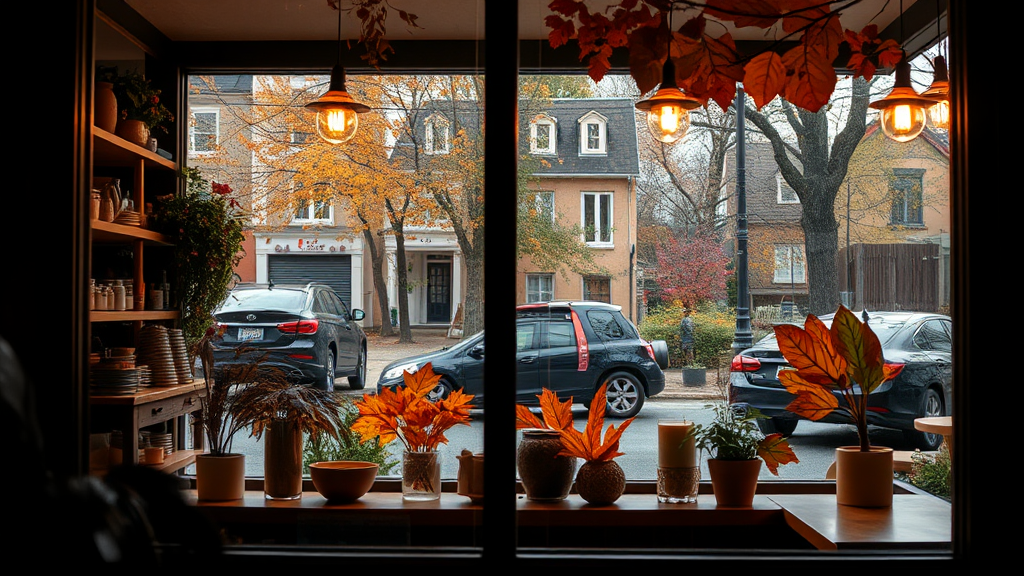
{"x": 158, "y": 404}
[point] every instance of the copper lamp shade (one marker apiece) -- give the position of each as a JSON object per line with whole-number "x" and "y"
{"x": 904, "y": 111}
{"x": 668, "y": 111}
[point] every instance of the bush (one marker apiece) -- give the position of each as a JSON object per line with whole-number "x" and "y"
{"x": 713, "y": 332}
{"x": 931, "y": 474}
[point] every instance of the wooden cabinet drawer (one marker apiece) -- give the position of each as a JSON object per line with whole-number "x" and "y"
{"x": 163, "y": 410}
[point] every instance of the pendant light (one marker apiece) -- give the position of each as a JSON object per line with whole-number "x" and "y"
{"x": 337, "y": 114}
{"x": 904, "y": 111}
{"x": 668, "y": 111}
{"x": 938, "y": 113}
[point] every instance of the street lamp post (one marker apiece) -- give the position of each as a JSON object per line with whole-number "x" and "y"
{"x": 743, "y": 338}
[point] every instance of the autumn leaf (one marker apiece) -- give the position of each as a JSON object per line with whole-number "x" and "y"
{"x": 422, "y": 381}
{"x": 557, "y": 415}
{"x": 775, "y": 450}
{"x": 812, "y": 401}
{"x": 811, "y": 351}
{"x": 813, "y": 78}
{"x": 588, "y": 444}
{"x": 764, "y": 78}
{"x": 527, "y": 419}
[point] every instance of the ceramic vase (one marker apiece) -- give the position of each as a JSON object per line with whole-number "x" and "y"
{"x": 134, "y": 131}
{"x": 220, "y": 477}
{"x": 864, "y": 479}
{"x": 546, "y": 476}
{"x": 600, "y": 481}
{"x": 282, "y": 461}
{"x": 421, "y": 476}
{"x": 105, "y": 107}
{"x": 734, "y": 481}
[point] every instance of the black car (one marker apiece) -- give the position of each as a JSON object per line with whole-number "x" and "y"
{"x": 922, "y": 342}
{"x": 570, "y": 348}
{"x": 305, "y": 330}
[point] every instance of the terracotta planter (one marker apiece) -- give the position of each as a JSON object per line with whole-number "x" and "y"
{"x": 220, "y": 477}
{"x": 282, "y": 462}
{"x": 600, "y": 482}
{"x": 546, "y": 477}
{"x": 734, "y": 481}
{"x": 105, "y": 107}
{"x": 864, "y": 478}
{"x": 134, "y": 131}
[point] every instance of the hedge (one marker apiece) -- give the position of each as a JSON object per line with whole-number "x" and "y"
{"x": 714, "y": 330}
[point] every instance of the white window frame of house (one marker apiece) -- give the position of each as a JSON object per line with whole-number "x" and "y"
{"x": 540, "y": 288}
{"x": 542, "y": 122}
{"x": 783, "y": 255}
{"x": 193, "y": 112}
{"x": 436, "y": 124}
{"x": 601, "y": 229}
{"x": 785, "y": 192}
{"x": 593, "y": 143}
{"x": 310, "y": 208}
{"x": 907, "y": 189}
{"x": 544, "y": 200}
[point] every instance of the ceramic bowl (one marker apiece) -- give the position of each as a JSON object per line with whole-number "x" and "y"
{"x": 343, "y": 480}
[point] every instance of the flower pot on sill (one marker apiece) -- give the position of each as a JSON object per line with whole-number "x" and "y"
{"x": 734, "y": 481}
{"x": 220, "y": 476}
{"x": 600, "y": 481}
{"x": 864, "y": 479}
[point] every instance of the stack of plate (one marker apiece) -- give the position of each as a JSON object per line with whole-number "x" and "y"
{"x": 113, "y": 380}
{"x": 162, "y": 440}
{"x": 145, "y": 376}
{"x": 129, "y": 218}
{"x": 180, "y": 352}
{"x": 154, "y": 350}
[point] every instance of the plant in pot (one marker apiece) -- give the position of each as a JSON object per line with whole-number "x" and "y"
{"x": 140, "y": 112}
{"x": 600, "y": 480}
{"x": 736, "y": 447}
{"x": 407, "y": 415}
{"x": 835, "y": 369}
{"x": 284, "y": 413}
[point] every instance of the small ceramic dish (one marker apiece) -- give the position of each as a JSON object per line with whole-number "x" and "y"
{"x": 343, "y": 480}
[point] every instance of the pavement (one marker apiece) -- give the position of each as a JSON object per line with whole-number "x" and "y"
{"x": 384, "y": 350}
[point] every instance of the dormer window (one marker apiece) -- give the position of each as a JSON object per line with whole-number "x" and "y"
{"x": 436, "y": 134}
{"x": 593, "y": 134}
{"x": 542, "y": 135}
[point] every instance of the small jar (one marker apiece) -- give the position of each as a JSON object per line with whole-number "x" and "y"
{"x": 119, "y": 295}
{"x": 94, "y": 205}
{"x": 110, "y": 297}
{"x": 101, "y": 297}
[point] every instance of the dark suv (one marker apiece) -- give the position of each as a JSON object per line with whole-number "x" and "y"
{"x": 570, "y": 348}
{"x": 305, "y": 330}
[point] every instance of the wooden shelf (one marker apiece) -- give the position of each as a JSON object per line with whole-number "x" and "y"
{"x": 112, "y": 150}
{"x": 110, "y": 232}
{"x": 132, "y": 315}
{"x": 175, "y": 460}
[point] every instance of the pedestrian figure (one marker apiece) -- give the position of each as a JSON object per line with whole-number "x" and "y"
{"x": 686, "y": 337}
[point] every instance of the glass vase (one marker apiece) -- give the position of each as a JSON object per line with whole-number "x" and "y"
{"x": 282, "y": 461}
{"x": 421, "y": 476}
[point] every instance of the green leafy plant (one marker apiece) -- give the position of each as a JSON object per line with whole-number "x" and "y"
{"x": 734, "y": 435}
{"x": 137, "y": 99}
{"x": 846, "y": 358}
{"x": 206, "y": 226}
{"x": 931, "y": 473}
{"x": 346, "y": 446}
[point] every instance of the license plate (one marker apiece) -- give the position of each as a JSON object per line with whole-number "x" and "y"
{"x": 246, "y": 334}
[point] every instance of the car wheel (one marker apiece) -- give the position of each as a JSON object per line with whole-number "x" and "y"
{"x": 784, "y": 426}
{"x": 931, "y": 405}
{"x": 328, "y": 383}
{"x": 358, "y": 382}
{"x": 625, "y": 395}
{"x": 441, "y": 390}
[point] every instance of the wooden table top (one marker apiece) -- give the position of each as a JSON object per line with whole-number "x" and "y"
{"x": 935, "y": 425}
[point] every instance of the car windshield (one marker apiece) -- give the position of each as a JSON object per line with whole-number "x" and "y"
{"x": 467, "y": 342}
{"x": 276, "y": 299}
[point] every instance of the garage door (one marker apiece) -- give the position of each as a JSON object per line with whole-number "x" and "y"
{"x": 335, "y": 271}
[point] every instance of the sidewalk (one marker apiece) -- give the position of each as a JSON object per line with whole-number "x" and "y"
{"x": 382, "y": 351}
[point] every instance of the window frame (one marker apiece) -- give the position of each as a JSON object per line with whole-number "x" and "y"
{"x": 193, "y": 111}
{"x": 899, "y": 215}
{"x": 588, "y": 120}
{"x": 311, "y": 207}
{"x": 552, "y": 124}
{"x": 597, "y": 242}
{"x": 786, "y": 274}
{"x": 431, "y": 126}
{"x": 540, "y": 276}
{"x": 783, "y": 188}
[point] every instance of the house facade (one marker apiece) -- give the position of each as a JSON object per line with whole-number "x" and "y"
{"x": 893, "y": 207}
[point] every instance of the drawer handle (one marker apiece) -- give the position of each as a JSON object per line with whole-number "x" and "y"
{"x": 157, "y": 410}
{"x": 190, "y": 401}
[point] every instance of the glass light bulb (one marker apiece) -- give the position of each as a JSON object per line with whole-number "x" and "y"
{"x": 336, "y": 125}
{"x": 903, "y": 122}
{"x": 938, "y": 115}
{"x": 668, "y": 122}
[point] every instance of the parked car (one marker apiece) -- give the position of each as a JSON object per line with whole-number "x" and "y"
{"x": 305, "y": 330}
{"x": 922, "y": 342}
{"x": 570, "y": 348}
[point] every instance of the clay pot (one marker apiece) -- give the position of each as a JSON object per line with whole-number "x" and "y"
{"x": 220, "y": 477}
{"x": 601, "y": 481}
{"x": 546, "y": 476}
{"x": 864, "y": 478}
{"x": 105, "y": 107}
{"x": 134, "y": 131}
{"x": 734, "y": 481}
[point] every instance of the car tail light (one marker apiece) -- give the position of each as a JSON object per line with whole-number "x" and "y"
{"x": 741, "y": 363}
{"x": 301, "y": 356}
{"x": 650, "y": 350}
{"x": 300, "y": 327}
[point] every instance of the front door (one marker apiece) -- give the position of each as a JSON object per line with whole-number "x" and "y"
{"x": 439, "y": 292}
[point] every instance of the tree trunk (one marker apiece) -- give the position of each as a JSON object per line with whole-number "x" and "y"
{"x": 404, "y": 330}
{"x": 378, "y": 256}
{"x": 473, "y": 309}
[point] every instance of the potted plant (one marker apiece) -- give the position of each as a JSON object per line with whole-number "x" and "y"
{"x": 736, "y": 447}
{"x": 140, "y": 111}
{"x": 407, "y": 415}
{"x": 842, "y": 362}
{"x": 600, "y": 480}
{"x": 285, "y": 412}
{"x": 205, "y": 224}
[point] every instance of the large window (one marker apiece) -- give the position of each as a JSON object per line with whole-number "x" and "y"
{"x": 597, "y": 218}
{"x": 789, "y": 265}
{"x": 539, "y": 287}
{"x": 907, "y": 197}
